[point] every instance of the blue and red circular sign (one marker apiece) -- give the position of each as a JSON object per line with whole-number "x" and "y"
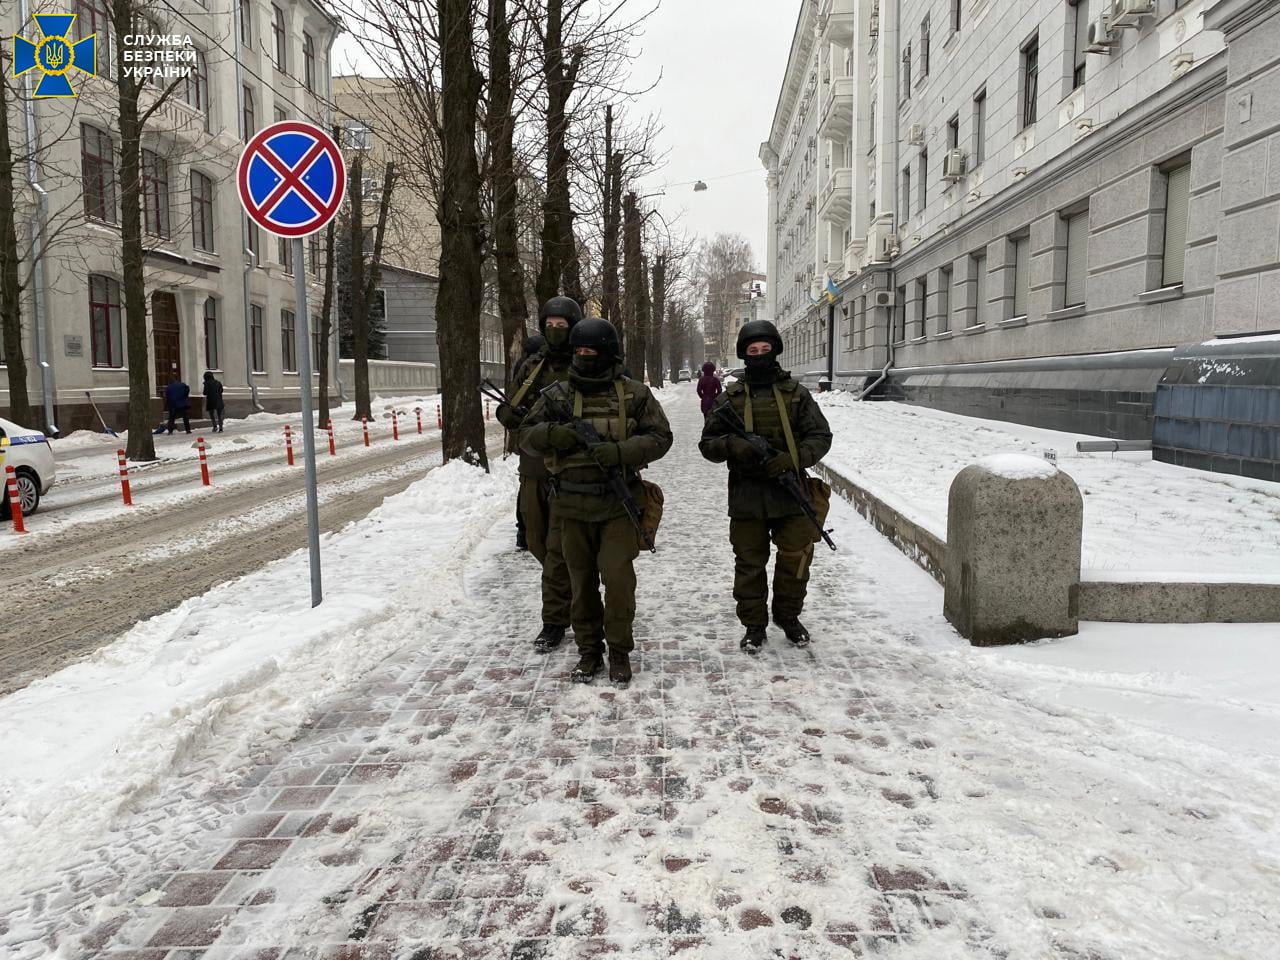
{"x": 291, "y": 178}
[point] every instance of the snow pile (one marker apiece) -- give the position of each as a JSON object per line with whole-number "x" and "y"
{"x": 247, "y": 659}
{"x": 1017, "y": 466}
{"x": 1143, "y": 520}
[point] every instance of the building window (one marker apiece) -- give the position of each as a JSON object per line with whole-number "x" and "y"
{"x": 1077, "y": 258}
{"x": 978, "y": 267}
{"x": 246, "y": 23}
{"x": 955, "y": 15}
{"x": 1030, "y": 80}
{"x": 255, "y": 338}
{"x": 922, "y": 199}
{"x": 284, "y": 247}
{"x": 1021, "y": 275}
{"x": 1177, "y": 202}
{"x": 313, "y": 253}
{"x": 280, "y": 115}
{"x": 201, "y": 211}
{"x": 97, "y": 170}
{"x": 315, "y": 345}
{"x": 900, "y": 316}
{"x": 944, "y": 299}
{"x": 1078, "y": 15}
{"x": 278, "y": 38}
{"x": 195, "y": 89}
{"x": 253, "y": 244}
{"x": 91, "y": 18}
{"x": 924, "y": 48}
{"x": 922, "y": 329}
{"x": 953, "y": 133}
{"x": 288, "y": 341}
{"x": 211, "y": 334}
{"x": 906, "y": 196}
{"x": 248, "y": 122}
{"x": 104, "y": 321}
{"x": 309, "y": 62}
{"x": 979, "y": 127}
{"x": 906, "y": 73}
{"x": 155, "y": 194}
{"x": 871, "y": 116}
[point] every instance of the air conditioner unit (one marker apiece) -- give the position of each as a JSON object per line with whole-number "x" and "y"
{"x": 1129, "y": 13}
{"x": 953, "y": 165}
{"x": 882, "y": 298}
{"x": 368, "y": 188}
{"x": 1102, "y": 39}
{"x": 916, "y": 133}
{"x": 359, "y": 137}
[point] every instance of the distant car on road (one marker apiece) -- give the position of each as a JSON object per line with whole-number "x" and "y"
{"x": 31, "y": 457}
{"x": 685, "y": 374}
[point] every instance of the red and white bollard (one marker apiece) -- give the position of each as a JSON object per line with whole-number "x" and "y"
{"x": 439, "y": 417}
{"x": 124, "y": 479}
{"x": 333, "y": 449}
{"x": 418, "y": 411}
{"x": 15, "y": 500}
{"x": 288, "y": 444}
{"x": 204, "y": 462}
{"x": 364, "y": 425}
{"x": 395, "y": 425}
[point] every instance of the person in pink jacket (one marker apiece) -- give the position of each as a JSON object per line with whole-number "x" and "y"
{"x": 708, "y": 386}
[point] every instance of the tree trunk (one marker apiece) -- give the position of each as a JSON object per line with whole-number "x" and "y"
{"x": 326, "y": 326}
{"x": 10, "y": 288}
{"x": 658, "y": 315}
{"x": 675, "y": 341}
{"x": 612, "y": 224}
{"x": 374, "y": 274}
{"x": 461, "y": 294}
{"x": 512, "y": 306}
{"x": 141, "y": 445}
{"x": 559, "y": 269}
{"x": 359, "y": 305}
{"x": 631, "y": 279}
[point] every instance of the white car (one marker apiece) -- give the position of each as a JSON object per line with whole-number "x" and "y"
{"x": 686, "y": 374}
{"x": 31, "y": 457}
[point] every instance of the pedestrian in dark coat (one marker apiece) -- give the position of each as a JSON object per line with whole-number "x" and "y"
{"x": 708, "y": 386}
{"x": 213, "y": 402}
{"x": 177, "y": 397}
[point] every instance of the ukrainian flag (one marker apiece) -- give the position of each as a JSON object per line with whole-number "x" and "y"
{"x": 832, "y": 291}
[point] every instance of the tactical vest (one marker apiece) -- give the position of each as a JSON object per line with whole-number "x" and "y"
{"x": 601, "y": 410}
{"x": 759, "y": 411}
{"x": 542, "y": 374}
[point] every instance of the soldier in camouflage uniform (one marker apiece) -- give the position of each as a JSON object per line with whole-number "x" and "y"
{"x": 759, "y": 508}
{"x": 599, "y": 540}
{"x": 549, "y": 365}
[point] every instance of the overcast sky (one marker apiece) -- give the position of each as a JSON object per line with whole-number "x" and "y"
{"x": 721, "y": 63}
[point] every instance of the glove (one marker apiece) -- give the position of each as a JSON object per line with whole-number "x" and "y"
{"x": 741, "y": 451}
{"x": 563, "y": 438}
{"x": 777, "y": 466}
{"x": 607, "y": 453}
{"x": 508, "y": 416}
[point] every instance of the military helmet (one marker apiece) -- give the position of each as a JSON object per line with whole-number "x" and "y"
{"x": 565, "y": 307}
{"x": 597, "y": 333}
{"x": 754, "y": 330}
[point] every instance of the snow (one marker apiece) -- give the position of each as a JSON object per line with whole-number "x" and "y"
{"x": 1143, "y": 520}
{"x": 1110, "y": 795}
{"x": 1017, "y": 466}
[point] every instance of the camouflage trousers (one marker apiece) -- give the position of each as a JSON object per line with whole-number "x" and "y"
{"x": 793, "y": 536}
{"x": 601, "y": 553}
{"x": 544, "y": 543}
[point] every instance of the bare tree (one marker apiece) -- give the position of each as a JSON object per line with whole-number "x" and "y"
{"x": 326, "y": 324}
{"x": 723, "y": 262}
{"x": 10, "y": 289}
{"x": 631, "y": 274}
{"x": 658, "y": 316}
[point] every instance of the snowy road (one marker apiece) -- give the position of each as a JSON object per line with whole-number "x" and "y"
{"x": 888, "y": 793}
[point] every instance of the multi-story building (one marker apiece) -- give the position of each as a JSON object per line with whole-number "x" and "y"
{"x": 723, "y": 312}
{"x": 220, "y": 296}
{"x": 1026, "y": 207}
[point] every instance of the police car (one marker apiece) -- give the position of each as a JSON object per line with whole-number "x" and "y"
{"x": 31, "y": 457}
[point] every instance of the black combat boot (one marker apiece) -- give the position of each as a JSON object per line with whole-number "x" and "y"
{"x": 794, "y": 630}
{"x": 619, "y": 668}
{"x": 589, "y": 664}
{"x": 754, "y": 639}
{"x": 552, "y": 636}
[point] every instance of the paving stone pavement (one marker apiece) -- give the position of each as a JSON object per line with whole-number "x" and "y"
{"x": 862, "y": 798}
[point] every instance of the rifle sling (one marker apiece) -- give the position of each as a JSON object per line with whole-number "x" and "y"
{"x": 528, "y": 384}
{"x": 748, "y": 418}
{"x": 622, "y": 408}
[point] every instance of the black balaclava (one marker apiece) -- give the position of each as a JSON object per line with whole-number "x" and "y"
{"x": 762, "y": 368}
{"x": 592, "y": 368}
{"x": 557, "y": 338}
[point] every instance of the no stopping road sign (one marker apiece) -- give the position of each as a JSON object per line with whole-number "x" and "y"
{"x": 291, "y": 178}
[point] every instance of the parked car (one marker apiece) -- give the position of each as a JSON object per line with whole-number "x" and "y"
{"x": 31, "y": 457}
{"x": 685, "y": 374}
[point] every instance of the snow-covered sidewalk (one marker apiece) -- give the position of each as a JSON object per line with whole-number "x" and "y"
{"x": 1143, "y": 520}
{"x": 892, "y": 792}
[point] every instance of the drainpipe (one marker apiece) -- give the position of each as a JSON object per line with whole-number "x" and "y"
{"x": 251, "y": 260}
{"x": 36, "y": 227}
{"x": 333, "y": 307}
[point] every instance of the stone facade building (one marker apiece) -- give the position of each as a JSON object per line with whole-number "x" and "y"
{"x": 1027, "y": 207}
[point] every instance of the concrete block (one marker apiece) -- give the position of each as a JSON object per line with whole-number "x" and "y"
{"x": 1124, "y": 199}
{"x": 1202, "y": 216}
{"x": 1123, "y": 243}
{"x": 1200, "y": 268}
{"x": 1244, "y": 176}
{"x": 1235, "y": 305}
{"x": 1143, "y": 602}
{"x": 1264, "y": 118}
{"x": 1014, "y": 527}
{"x": 1206, "y": 163}
{"x": 1119, "y": 287}
{"x": 1249, "y": 239}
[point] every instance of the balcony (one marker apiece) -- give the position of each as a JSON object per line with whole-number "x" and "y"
{"x": 835, "y": 200}
{"x": 835, "y": 20}
{"x": 837, "y": 117}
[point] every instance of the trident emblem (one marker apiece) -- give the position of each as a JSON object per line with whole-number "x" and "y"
{"x": 55, "y": 55}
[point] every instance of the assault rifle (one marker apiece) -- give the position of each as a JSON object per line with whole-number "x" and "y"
{"x": 615, "y": 478}
{"x": 789, "y": 480}
{"x": 494, "y": 393}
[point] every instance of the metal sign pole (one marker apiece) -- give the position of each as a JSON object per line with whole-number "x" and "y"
{"x": 303, "y": 349}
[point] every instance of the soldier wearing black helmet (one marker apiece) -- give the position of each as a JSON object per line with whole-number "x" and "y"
{"x": 550, "y": 364}
{"x": 599, "y": 541}
{"x": 774, "y": 406}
